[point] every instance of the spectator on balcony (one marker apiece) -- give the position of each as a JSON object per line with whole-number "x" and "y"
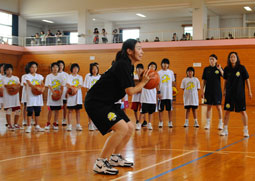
{"x": 58, "y": 35}
{"x": 230, "y": 36}
{"x": 115, "y": 36}
{"x": 174, "y": 38}
{"x": 104, "y": 36}
{"x": 188, "y": 36}
{"x": 183, "y": 37}
{"x": 37, "y": 39}
{"x": 49, "y": 38}
{"x": 49, "y": 33}
{"x": 96, "y": 36}
{"x": 156, "y": 39}
{"x": 43, "y": 38}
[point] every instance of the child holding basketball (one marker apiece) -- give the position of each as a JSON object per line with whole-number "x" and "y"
{"x": 235, "y": 78}
{"x": 24, "y": 96}
{"x": 54, "y": 82}
{"x": 11, "y": 97}
{"x": 148, "y": 101}
{"x": 2, "y": 75}
{"x": 165, "y": 93}
{"x": 136, "y": 104}
{"x": 34, "y": 83}
{"x": 190, "y": 85}
{"x": 74, "y": 101}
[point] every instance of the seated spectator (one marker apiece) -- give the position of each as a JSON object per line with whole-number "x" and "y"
{"x": 174, "y": 38}
{"x": 156, "y": 39}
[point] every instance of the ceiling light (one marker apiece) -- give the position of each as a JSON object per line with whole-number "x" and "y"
{"x": 94, "y": 19}
{"x": 47, "y": 21}
{"x": 247, "y": 8}
{"x": 141, "y": 15}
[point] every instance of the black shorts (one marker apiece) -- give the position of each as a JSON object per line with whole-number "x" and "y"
{"x": 55, "y": 108}
{"x": 64, "y": 101}
{"x": 77, "y": 107}
{"x": 148, "y": 108}
{"x": 213, "y": 100}
{"x": 33, "y": 109}
{"x": 234, "y": 105}
{"x": 190, "y": 107}
{"x": 165, "y": 103}
{"x": 105, "y": 116}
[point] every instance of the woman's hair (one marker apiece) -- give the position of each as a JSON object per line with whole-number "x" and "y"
{"x": 165, "y": 60}
{"x": 30, "y": 64}
{"x": 61, "y": 61}
{"x": 237, "y": 62}
{"x": 139, "y": 66}
{"x": 128, "y": 44}
{"x": 27, "y": 69}
{"x": 73, "y": 66}
{"x": 2, "y": 64}
{"x": 190, "y": 69}
{"x": 91, "y": 68}
{"x": 214, "y": 56}
{"x": 7, "y": 66}
{"x": 153, "y": 63}
{"x": 53, "y": 64}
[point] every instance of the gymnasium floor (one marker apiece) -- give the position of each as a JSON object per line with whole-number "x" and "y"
{"x": 161, "y": 154}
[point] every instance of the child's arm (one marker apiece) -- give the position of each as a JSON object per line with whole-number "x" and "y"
{"x": 249, "y": 87}
{"x": 220, "y": 69}
{"x": 203, "y": 88}
{"x": 29, "y": 84}
{"x": 224, "y": 87}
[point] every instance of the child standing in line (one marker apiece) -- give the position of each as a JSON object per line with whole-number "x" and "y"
{"x": 24, "y": 96}
{"x": 190, "y": 85}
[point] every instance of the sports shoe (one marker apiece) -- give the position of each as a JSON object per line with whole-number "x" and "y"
{"x": 186, "y": 124}
{"x": 138, "y": 126}
{"x": 150, "y": 126}
{"x": 55, "y": 126}
{"x": 196, "y": 124}
{"x": 245, "y": 133}
{"x": 39, "y": 129}
{"x": 47, "y": 127}
{"x": 11, "y": 128}
{"x": 16, "y": 126}
{"x": 144, "y": 123}
{"x": 91, "y": 127}
{"x": 102, "y": 166}
{"x": 28, "y": 130}
{"x": 24, "y": 122}
{"x": 160, "y": 124}
{"x": 118, "y": 161}
{"x": 207, "y": 125}
{"x": 63, "y": 122}
{"x": 224, "y": 132}
{"x": 170, "y": 124}
{"x": 95, "y": 128}
{"x": 220, "y": 126}
{"x": 78, "y": 127}
{"x": 69, "y": 127}
{"x": 57, "y": 122}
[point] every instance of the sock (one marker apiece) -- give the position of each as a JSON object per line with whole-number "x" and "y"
{"x": 220, "y": 120}
{"x": 186, "y": 120}
{"x": 225, "y": 126}
{"x": 208, "y": 120}
{"x": 195, "y": 120}
{"x": 245, "y": 127}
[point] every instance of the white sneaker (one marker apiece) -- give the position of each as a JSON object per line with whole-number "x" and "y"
{"x": 207, "y": 125}
{"x": 220, "y": 126}
{"x": 170, "y": 124}
{"x": 150, "y": 126}
{"x": 78, "y": 127}
{"x": 196, "y": 124}
{"x": 160, "y": 124}
{"x": 95, "y": 128}
{"x": 57, "y": 122}
{"x": 55, "y": 126}
{"x": 69, "y": 127}
{"x": 119, "y": 161}
{"x": 245, "y": 133}
{"x": 24, "y": 122}
{"x": 39, "y": 129}
{"x": 47, "y": 127}
{"x": 28, "y": 130}
{"x": 224, "y": 132}
{"x": 63, "y": 122}
{"x": 138, "y": 126}
{"x": 186, "y": 124}
{"x": 102, "y": 166}
{"x": 91, "y": 127}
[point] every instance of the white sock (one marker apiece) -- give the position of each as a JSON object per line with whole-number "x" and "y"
{"x": 208, "y": 120}
{"x": 220, "y": 120}
{"x": 195, "y": 120}
{"x": 186, "y": 120}
{"x": 245, "y": 127}
{"x": 225, "y": 126}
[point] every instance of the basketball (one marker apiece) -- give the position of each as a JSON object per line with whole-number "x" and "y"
{"x": 1, "y": 92}
{"x": 12, "y": 91}
{"x": 56, "y": 96}
{"x": 36, "y": 92}
{"x": 175, "y": 91}
{"x": 71, "y": 92}
{"x": 154, "y": 81}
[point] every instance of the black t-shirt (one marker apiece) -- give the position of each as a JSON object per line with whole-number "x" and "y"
{"x": 110, "y": 88}
{"x": 235, "y": 77}
{"x": 213, "y": 83}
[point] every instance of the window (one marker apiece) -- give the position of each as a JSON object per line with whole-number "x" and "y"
{"x": 5, "y": 24}
{"x": 130, "y": 33}
{"x": 74, "y": 37}
{"x": 188, "y": 29}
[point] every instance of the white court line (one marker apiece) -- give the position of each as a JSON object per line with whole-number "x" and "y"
{"x": 146, "y": 168}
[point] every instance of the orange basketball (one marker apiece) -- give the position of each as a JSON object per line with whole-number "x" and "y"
{"x": 56, "y": 96}
{"x": 11, "y": 91}
{"x": 71, "y": 92}
{"x": 1, "y": 92}
{"x": 36, "y": 92}
{"x": 175, "y": 91}
{"x": 154, "y": 81}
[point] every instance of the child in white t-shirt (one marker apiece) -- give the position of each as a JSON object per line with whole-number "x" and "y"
{"x": 24, "y": 96}
{"x": 165, "y": 93}
{"x": 11, "y": 101}
{"x": 2, "y": 75}
{"x": 190, "y": 85}
{"x": 148, "y": 101}
{"x": 64, "y": 75}
{"x": 34, "y": 102}
{"x": 89, "y": 82}
{"x": 74, "y": 102}
{"x": 54, "y": 82}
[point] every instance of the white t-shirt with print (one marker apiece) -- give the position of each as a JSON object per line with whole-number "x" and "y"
{"x": 23, "y": 84}
{"x": 190, "y": 95}
{"x": 86, "y": 80}
{"x": 165, "y": 84}
{"x": 55, "y": 81}
{"x": 92, "y": 80}
{"x": 1, "y": 86}
{"x": 64, "y": 78}
{"x": 34, "y": 100}
{"x": 10, "y": 100}
{"x": 149, "y": 96}
{"x": 136, "y": 97}
{"x": 75, "y": 81}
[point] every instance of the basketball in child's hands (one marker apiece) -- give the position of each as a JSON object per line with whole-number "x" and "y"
{"x": 12, "y": 90}
{"x": 56, "y": 95}
{"x": 36, "y": 91}
{"x": 154, "y": 81}
{"x": 71, "y": 92}
{"x": 175, "y": 91}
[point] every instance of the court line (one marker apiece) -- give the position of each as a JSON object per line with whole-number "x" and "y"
{"x": 199, "y": 158}
{"x": 154, "y": 165}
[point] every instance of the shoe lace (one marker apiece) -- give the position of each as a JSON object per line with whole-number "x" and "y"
{"x": 107, "y": 164}
{"x": 120, "y": 157}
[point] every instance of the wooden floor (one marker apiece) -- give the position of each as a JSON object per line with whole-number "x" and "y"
{"x": 161, "y": 154}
